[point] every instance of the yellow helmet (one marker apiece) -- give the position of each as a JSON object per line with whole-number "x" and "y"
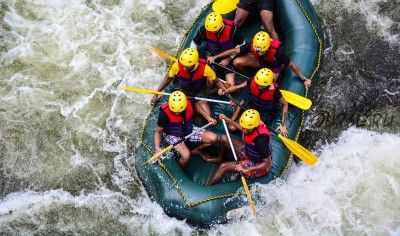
{"x": 261, "y": 41}
{"x": 189, "y": 57}
{"x": 264, "y": 77}
{"x": 177, "y": 102}
{"x": 213, "y": 22}
{"x": 250, "y": 119}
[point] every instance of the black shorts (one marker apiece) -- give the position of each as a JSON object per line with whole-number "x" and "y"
{"x": 256, "y": 5}
{"x": 221, "y": 72}
{"x": 201, "y": 94}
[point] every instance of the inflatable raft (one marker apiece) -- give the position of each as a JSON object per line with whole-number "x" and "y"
{"x": 183, "y": 193}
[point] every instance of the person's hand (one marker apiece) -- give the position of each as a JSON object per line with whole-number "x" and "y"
{"x": 222, "y": 116}
{"x": 239, "y": 168}
{"x": 157, "y": 149}
{"x": 234, "y": 105}
{"x": 307, "y": 83}
{"x": 283, "y": 130}
{"x": 225, "y": 62}
{"x": 211, "y": 120}
{"x": 221, "y": 92}
{"x": 211, "y": 59}
{"x": 154, "y": 100}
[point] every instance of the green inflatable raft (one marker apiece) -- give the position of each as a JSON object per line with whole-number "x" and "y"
{"x": 183, "y": 193}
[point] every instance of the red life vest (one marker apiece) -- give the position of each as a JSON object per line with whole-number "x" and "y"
{"x": 179, "y": 125}
{"x": 250, "y": 149}
{"x": 262, "y": 101}
{"x": 215, "y": 44}
{"x": 192, "y": 82}
{"x": 268, "y": 59}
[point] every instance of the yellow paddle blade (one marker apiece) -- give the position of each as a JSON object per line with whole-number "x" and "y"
{"x": 298, "y": 150}
{"x": 139, "y": 90}
{"x": 162, "y": 54}
{"x": 297, "y": 100}
{"x": 249, "y": 199}
{"x": 154, "y": 158}
{"x": 224, "y": 6}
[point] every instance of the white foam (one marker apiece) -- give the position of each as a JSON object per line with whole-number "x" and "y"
{"x": 353, "y": 188}
{"x": 377, "y": 21}
{"x": 139, "y": 215}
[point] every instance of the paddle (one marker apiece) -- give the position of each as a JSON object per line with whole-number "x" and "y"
{"x": 224, "y": 6}
{"x": 160, "y": 153}
{"x": 305, "y": 155}
{"x": 139, "y": 90}
{"x": 290, "y": 97}
{"x": 246, "y": 188}
{"x": 162, "y": 54}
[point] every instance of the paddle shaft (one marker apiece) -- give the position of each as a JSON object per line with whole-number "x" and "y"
{"x": 233, "y": 71}
{"x": 246, "y": 187}
{"x": 155, "y": 156}
{"x": 192, "y": 133}
{"x": 168, "y": 94}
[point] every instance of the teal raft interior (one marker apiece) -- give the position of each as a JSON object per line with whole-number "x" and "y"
{"x": 183, "y": 193}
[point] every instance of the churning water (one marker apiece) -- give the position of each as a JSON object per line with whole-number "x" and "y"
{"x": 68, "y": 133}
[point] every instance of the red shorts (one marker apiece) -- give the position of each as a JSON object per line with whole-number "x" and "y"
{"x": 246, "y": 163}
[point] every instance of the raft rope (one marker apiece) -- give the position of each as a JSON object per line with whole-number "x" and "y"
{"x": 188, "y": 204}
{"x": 313, "y": 74}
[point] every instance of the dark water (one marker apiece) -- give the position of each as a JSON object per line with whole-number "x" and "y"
{"x": 359, "y": 84}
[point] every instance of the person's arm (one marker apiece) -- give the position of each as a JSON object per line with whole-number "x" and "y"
{"x": 227, "y": 53}
{"x": 297, "y": 71}
{"x": 223, "y": 90}
{"x": 231, "y": 122}
{"x": 244, "y": 84}
{"x": 265, "y": 164}
{"x": 282, "y": 126}
{"x": 168, "y": 78}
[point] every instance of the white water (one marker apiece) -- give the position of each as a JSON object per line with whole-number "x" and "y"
{"x": 67, "y": 132}
{"x": 354, "y": 189}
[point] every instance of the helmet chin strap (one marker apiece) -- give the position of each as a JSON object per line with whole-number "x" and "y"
{"x": 259, "y": 51}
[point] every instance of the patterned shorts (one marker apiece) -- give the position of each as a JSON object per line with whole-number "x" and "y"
{"x": 246, "y": 162}
{"x": 195, "y": 138}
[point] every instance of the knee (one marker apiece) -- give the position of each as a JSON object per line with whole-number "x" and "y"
{"x": 185, "y": 155}
{"x": 223, "y": 139}
{"x": 214, "y": 139}
{"x": 230, "y": 83}
{"x": 237, "y": 62}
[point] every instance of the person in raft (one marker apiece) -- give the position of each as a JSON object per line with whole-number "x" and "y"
{"x": 265, "y": 7}
{"x": 265, "y": 97}
{"x": 255, "y": 159}
{"x": 192, "y": 75}
{"x": 175, "y": 122}
{"x": 219, "y": 35}
{"x": 263, "y": 52}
